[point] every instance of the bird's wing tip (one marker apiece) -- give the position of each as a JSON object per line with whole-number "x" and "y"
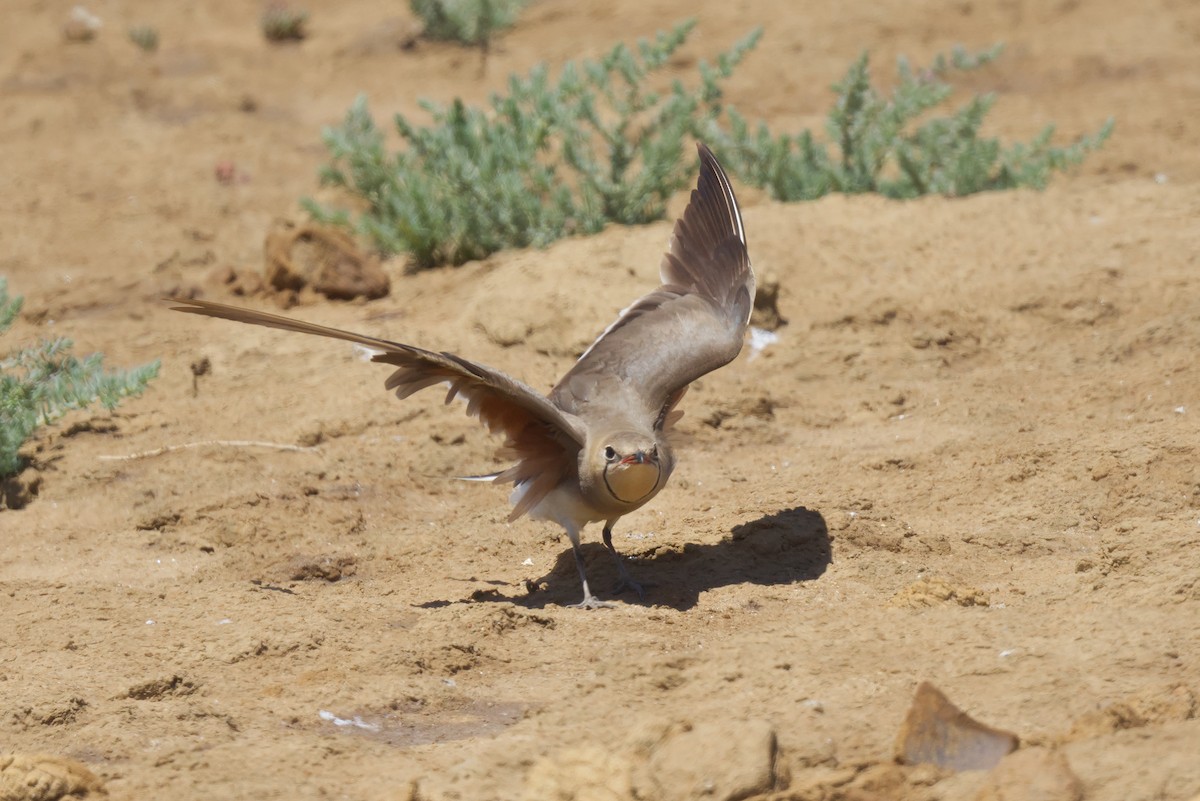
{"x": 487, "y": 477}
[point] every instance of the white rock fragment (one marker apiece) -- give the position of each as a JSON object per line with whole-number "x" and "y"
{"x": 760, "y": 338}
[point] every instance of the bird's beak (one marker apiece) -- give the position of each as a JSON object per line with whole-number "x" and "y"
{"x": 638, "y": 457}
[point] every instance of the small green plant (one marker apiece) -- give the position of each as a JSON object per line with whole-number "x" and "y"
{"x": 546, "y": 160}
{"x": 40, "y": 384}
{"x": 471, "y": 22}
{"x": 881, "y": 147}
{"x": 145, "y": 37}
{"x": 283, "y": 24}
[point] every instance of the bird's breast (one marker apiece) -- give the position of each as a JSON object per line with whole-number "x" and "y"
{"x": 633, "y": 483}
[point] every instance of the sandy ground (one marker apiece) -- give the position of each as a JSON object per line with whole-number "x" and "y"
{"x": 970, "y": 458}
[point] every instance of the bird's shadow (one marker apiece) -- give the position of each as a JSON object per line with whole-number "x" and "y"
{"x": 779, "y": 548}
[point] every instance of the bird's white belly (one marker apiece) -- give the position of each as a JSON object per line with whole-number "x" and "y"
{"x": 563, "y": 505}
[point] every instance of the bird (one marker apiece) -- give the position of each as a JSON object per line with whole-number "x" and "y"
{"x": 597, "y": 446}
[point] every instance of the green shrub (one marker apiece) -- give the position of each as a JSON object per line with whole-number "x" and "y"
{"x": 40, "y": 384}
{"x": 547, "y": 159}
{"x": 280, "y": 23}
{"x": 471, "y": 22}
{"x": 145, "y": 37}
{"x": 880, "y": 144}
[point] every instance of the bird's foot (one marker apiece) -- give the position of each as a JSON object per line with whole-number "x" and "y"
{"x": 590, "y": 602}
{"x": 626, "y": 583}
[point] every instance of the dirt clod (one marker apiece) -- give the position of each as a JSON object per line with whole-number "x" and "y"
{"x": 324, "y": 258}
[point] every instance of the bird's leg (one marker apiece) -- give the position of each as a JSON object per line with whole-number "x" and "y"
{"x": 589, "y": 601}
{"x": 624, "y": 580}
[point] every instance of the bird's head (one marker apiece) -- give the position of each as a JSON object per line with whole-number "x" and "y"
{"x": 630, "y": 465}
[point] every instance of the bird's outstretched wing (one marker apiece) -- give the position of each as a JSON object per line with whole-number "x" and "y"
{"x": 544, "y": 439}
{"x": 689, "y": 326}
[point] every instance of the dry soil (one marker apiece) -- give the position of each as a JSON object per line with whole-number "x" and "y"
{"x": 969, "y": 458}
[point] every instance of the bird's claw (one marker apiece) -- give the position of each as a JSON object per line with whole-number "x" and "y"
{"x": 590, "y": 602}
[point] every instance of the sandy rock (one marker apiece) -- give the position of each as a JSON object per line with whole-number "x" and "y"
{"x": 1032, "y": 774}
{"x": 1145, "y": 708}
{"x": 81, "y": 25}
{"x": 589, "y": 773}
{"x": 42, "y": 777}
{"x": 324, "y": 258}
{"x": 719, "y": 760}
{"x": 933, "y": 592}
{"x": 937, "y": 732}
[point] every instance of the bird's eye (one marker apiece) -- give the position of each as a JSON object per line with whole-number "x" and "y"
{"x": 610, "y": 453}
